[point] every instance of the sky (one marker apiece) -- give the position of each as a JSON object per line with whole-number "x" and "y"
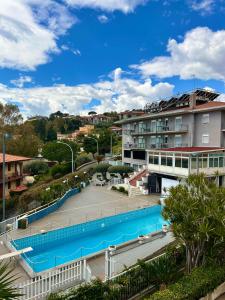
{"x": 107, "y": 55}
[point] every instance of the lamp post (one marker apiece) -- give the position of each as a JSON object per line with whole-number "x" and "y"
{"x": 89, "y": 137}
{"x": 59, "y": 142}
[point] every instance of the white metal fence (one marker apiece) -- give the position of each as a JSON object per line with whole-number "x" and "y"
{"x": 43, "y": 285}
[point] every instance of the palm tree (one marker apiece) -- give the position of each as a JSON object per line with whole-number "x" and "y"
{"x": 7, "y": 291}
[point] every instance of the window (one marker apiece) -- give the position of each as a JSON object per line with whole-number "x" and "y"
{"x": 9, "y": 166}
{"x": 127, "y": 153}
{"x": 153, "y": 140}
{"x": 205, "y": 139}
{"x": 205, "y": 118}
{"x": 185, "y": 163}
{"x": 178, "y": 141}
{"x": 153, "y": 126}
{"x": 178, "y": 162}
{"x": 153, "y": 159}
{"x": 139, "y": 155}
{"x": 178, "y": 123}
{"x": 163, "y": 160}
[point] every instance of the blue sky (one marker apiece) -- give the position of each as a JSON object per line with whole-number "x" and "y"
{"x": 73, "y": 55}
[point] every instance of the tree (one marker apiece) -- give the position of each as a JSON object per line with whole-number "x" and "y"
{"x": 24, "y": 141}
{"x": 59, "y": 152}
{"x": 36, "y": 167}
{"x": 196, "y": 211}
{"x": 92, "y": 113}
{"x": 7, "y": 292}
{"x": 10, "y": 115}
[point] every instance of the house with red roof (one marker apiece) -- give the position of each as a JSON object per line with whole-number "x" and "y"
{"x": 13, "y": 173}
{"x": 177, "y": 137}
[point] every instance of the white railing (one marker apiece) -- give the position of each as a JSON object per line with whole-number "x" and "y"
{"x": 41, "y": 286}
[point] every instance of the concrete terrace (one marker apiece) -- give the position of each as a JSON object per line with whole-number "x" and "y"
{"x": 92, "y": 203}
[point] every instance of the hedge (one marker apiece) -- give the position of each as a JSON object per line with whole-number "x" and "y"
{"x": 199, "y": 283}
{"x": 102, "y": 168}
{"x": 120, "y": 169}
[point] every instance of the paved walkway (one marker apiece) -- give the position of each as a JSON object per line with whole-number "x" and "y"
{"x": 92, "y": 203}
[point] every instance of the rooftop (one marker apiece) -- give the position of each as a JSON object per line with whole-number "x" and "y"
{"x": 12, "y": 158}
{"x": 192, "y": 149}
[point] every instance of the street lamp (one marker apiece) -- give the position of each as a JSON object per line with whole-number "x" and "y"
{"x": 88, "y": 137}
{"x": 59, "y": 142}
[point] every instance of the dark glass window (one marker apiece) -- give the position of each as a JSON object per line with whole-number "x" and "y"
{"x": 169, "y": 161}
{"x": 178, "y": 162}
{"x": 156, "y": 160}
{"x": 151, "y": 159}
{"x": 163, "y": 161}
{"x": 127, "y": 153}
{"x": 185, "y": 163}
{"x": 139, "y": 155}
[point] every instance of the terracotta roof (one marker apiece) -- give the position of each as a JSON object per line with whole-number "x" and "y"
{"x": 211, "y": 104}
{"x": 12, "y": 158}
{"x": 192, "y": 149}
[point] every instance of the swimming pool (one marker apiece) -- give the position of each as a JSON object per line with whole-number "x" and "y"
{"x": 60, "y": 246}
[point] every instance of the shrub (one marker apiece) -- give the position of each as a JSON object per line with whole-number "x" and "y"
{"x": 22, "y": 223}
{"x": 197, "y": 284}
{"x": 82, "y": 159}
{"x": 121, "y": 189}
{"x": 60, "y": 170}
{"x": 114, "y": 188}
{"x": 102, "y": 168}
{"x": 36, "y": 167}
{"x": 122, "y": 170}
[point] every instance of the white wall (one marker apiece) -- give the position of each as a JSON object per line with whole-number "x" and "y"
{"x": 168, "y": 183}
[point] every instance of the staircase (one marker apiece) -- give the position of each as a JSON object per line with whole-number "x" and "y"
{"x": 137, "y": 182}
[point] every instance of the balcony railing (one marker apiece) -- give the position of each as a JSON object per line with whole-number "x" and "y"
{"x": 12, "y": 177}
{"x": 166, "y": 145}
{"x": 160, "y": 129}
{"x": 134, "y": 145}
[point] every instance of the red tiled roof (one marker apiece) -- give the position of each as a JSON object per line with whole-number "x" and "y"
{"x": 12, "y": 158}
{"x": 211, "y": 104}
{"x": 192, "y": 149}
{"x": 20, "y": 188}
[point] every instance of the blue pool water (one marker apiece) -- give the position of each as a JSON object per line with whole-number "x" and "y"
{"x": 63, "y": 245}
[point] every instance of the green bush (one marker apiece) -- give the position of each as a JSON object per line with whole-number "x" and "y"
{"x": 121, "y": 189}
{"x": 36, "y": 168}
{"x": 60, "y": 170}
{"x": 122, "y": 170}
{"x": 83, "y": 159}
{"x": 22, "y": 223}
{"x": 199, "y": 283}
{"x": 102, "y": 168}
{"x": 114, "y": 188}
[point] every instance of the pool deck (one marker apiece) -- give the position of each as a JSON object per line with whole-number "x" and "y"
{"x": 92, "y": 203}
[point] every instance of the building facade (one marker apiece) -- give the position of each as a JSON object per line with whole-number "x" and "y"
{"x": 13, "y": 173}
{"x": 177, "y": 137}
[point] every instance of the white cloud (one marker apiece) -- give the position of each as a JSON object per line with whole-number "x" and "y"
{"x": 125, "y": 6}
{"x": 103, "y": 19}
{"x": 29, "y": 30}
{"x": 204, "y": 6}
{"x": 200, "y": 55}
{"x": 118, "y": 93}
{"x": 21, "y": 81}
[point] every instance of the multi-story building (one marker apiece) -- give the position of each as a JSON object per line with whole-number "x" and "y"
{"x": 177, "y": 137}
{"x": 13, "y": 173}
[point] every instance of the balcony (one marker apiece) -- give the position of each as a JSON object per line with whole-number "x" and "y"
{"x": 165, "y": 146}
{"x": 12, "y": 177}
{"x": 161, "y": 130}
{"x": 134, "y": 146}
